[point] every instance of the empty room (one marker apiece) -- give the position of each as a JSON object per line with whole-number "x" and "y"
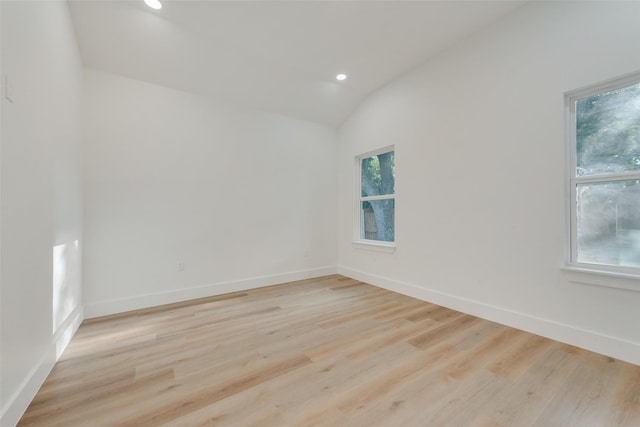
{"x": 320, "y": 213}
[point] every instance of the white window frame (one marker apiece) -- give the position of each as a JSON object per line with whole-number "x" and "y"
{"x": 358, "y": 241}
{"x": 605, "y": 275}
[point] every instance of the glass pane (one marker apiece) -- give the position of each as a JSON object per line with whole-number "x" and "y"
{"x": 377, "y": 219}
{"x": 608, "y": 132}
{"x": 608, "y": 216}
{"x": 378, "y": 174}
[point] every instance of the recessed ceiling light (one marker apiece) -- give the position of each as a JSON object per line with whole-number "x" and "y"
{"x": 341, "y": 77}
{"x": 153, "y": 4}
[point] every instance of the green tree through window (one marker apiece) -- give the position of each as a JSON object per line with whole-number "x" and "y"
{"x": 377, "y": 196}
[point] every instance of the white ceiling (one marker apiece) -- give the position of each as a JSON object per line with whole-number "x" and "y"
{"x": 279, "y": 56}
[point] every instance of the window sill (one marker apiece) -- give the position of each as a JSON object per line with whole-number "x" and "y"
{"x": 605, "y": 278}
{"x": 374, "y": 246}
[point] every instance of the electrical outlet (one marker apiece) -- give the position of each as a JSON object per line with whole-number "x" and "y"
{"x": 180, "y": 266}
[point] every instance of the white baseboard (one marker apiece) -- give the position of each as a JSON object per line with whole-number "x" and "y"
{"x": 589, "y": 340}
{"x": 14, "y": 406}
{"x": 106, "y": 308}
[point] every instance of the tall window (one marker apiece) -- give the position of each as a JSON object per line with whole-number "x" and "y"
{"x": 376, "y": 204}
{"x": 604, "y": 136}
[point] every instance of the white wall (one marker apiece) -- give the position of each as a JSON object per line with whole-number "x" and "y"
{"x": 243, "y": 198}
{"x": 246, "y": 199}
{"x": 480, "y": 158}
{"x": 41, "y": 197}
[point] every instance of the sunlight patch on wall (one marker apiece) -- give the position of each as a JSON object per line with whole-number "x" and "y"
{"x": 66, "y": 277}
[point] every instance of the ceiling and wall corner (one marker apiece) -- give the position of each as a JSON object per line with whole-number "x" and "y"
{"x": 279, "y": 56}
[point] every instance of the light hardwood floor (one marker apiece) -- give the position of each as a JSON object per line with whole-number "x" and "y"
{"x": 326, "y": 352}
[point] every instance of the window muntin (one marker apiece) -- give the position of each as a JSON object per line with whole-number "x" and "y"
{"x": 376, "y": 201}
{"x": 605, "y": 176}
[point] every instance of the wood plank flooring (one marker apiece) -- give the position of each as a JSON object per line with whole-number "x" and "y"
{"x": 326, "y": 352}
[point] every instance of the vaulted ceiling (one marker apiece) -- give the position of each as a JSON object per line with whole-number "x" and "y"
{"x": 279, "y": 56}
